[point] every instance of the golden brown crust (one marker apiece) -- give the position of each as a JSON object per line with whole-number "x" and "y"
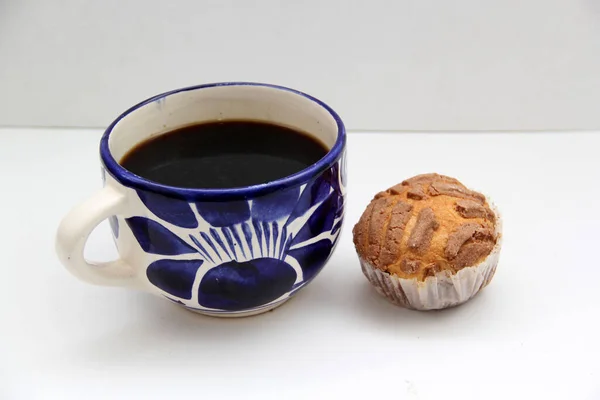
{"x": 471, "y": 209}
{"x": 424, "y": 225}
{"x": 462, "y": 234}
{"x": 360, "y": 230}
{"x": 470, "y": 253}
{"x": 421, "y": 235}
{"x": 380, "y": 215}
{"x": 432, "y": 269}
{"x": 401, "y": 212}
{"x": 438, "y": 188}
{"x": 428, "y": 179}
{"x": 410, "y": 266}
{"x": 416, "y": 192}
{"x": 397, "y": 189}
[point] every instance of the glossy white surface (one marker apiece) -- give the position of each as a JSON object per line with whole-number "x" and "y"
{"x": 223, "y": 102}
{"x": 532, "y": 332}
{"x": 382, "y": 64}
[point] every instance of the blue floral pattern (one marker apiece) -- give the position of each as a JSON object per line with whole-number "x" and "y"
{"x": 241, "y": 255}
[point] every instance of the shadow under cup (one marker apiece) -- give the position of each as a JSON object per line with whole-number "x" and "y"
{"x": 227, "y": 252}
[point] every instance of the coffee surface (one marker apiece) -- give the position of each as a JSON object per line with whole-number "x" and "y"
{"x": 225, "y": 154}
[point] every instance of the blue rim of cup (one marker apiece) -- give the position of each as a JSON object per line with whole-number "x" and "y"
{"x": 129, "y": 179}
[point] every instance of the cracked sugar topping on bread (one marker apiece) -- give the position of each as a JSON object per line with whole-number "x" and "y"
{"x": 424, "y": 225}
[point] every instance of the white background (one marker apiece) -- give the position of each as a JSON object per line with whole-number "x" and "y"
{"x": 383, "y": 64}
{"x": 531, "y": 334}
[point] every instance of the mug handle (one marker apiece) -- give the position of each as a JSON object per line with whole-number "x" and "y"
{"x": 74, "y": 231}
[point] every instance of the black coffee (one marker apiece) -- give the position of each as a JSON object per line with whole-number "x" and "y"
{"x": 224, "y": 154}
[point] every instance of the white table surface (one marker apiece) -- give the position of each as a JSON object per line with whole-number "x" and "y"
{"x": 535, "y": 331}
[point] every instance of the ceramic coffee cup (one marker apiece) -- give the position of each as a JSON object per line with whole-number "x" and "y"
{"x": 222, "y": 252}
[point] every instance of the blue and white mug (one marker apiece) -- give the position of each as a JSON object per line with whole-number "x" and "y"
{"x": 222, "y": 252}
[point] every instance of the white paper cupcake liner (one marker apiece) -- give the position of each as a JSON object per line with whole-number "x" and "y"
{"x": 444, "y": 289}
